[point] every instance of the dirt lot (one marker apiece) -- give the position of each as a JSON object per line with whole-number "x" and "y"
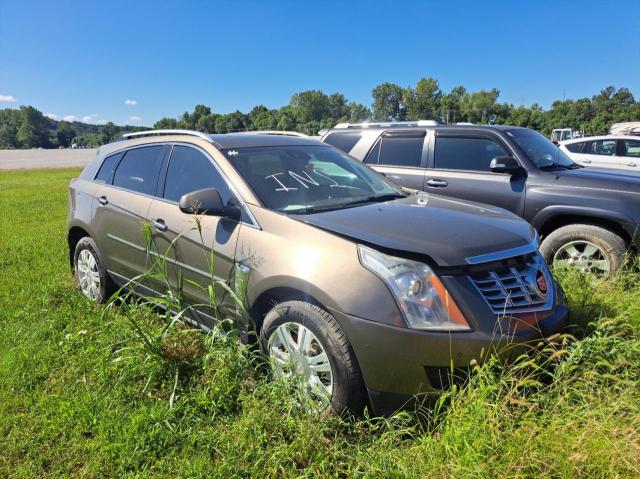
{"x": 30, "y": 159}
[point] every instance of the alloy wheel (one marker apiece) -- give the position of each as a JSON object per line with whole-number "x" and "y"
{"x": 585, "y": 256}
{"x": 88, "y": 275}
{"x": 295, "y": 351}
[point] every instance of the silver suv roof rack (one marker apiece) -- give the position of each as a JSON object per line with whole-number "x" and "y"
{"x": 386, "y": 124}
{"x": 139, "y": 134}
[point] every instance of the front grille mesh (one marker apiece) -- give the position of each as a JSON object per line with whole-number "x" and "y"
{"x": 514, "y": 288}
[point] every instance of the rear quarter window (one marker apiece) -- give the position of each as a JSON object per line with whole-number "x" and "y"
{"x": 343, "y": 141}
{"x": 574, "y": 147}
{"x": 105, "y": 174}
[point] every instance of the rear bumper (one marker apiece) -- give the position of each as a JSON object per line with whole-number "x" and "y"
{"x": 398, "y": 363}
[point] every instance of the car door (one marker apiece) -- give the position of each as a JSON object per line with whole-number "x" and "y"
{"x": 628, "y": 154}
{"x": 400, "y": 156}
{"x": 459, "y": 167}
{"x": 195, "y": 248}
{"x": 123, "y": 200}
{"x": 601, "y": 154}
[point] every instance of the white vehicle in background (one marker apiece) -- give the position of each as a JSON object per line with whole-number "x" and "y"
{"x": 611, "y": 151}
{"x": 625, "y": 128}
{"x": 562, "y": 134}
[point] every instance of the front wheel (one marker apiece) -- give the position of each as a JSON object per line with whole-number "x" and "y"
{"x": 302, "y": 339}
{"x": 587, "y": 248}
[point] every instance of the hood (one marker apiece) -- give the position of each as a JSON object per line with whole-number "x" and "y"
{"x": 446, "y": 230}
{"x": 600, "y": 178}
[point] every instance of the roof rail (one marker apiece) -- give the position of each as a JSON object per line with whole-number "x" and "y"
{"x": 385, "y": 124}
{"x": 274, "y": 132}
{"x": 139, "y": 134}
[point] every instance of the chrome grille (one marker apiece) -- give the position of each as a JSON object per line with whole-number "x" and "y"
{"x": 514, "y": 288}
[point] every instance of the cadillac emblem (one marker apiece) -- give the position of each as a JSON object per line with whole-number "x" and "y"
{"x": 541, "y": 283}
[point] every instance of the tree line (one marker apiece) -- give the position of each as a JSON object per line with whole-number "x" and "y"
{"x": 26, "y": 127}
{"x": 312, "y": 110}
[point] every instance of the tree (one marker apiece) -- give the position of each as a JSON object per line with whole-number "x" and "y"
{"x": 358, "y": 112}
{"x": 231, "y": 122}
{"x": 166, "y": 124}
{"x": 65, "y": 133}
{"x": 109, "y": 133}
{"x": 423, "y": 101}
{"x": 34, "y": 128}
{"x": 478, "y": 107}
{"x": 310, "y": 105}
{"x": 450, "y": 110}
{"x": 388, "y": 102}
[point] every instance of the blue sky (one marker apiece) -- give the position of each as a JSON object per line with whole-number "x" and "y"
{"x": 85, "y": 59}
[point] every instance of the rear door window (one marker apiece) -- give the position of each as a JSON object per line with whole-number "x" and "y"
{"x": 471, "y": 154}
{"x": 138, "y": 171}
{"x": 343, "y": 141}
{"x": 601, "y": 147}
{"x": 399, "y": 151}
{"x": 190, "y": 170}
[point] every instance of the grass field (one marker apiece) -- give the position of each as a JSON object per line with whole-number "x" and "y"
{"x": 81, "y": 395}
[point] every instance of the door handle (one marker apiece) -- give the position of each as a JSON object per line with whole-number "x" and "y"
{"x": 159, "y": 224}
{"x": 586, "y": 161}
{"x": 103, "y": 200}
{"x": 436, "y": 183}
{"x": 631, "y": 163}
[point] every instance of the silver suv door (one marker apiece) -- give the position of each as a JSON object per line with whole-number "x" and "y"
{"x": 459, "y": 167}
{"x": 401, "y": 156}
{"x": 121, "y": 208}
{"x": 196, "y": 249}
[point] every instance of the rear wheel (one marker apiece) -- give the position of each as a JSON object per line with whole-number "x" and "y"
{"x": 304, "y": 340}
{"x": 587, "y": 248}
{"x": 91, "y": 275}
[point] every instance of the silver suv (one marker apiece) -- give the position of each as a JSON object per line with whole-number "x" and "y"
{"x": 370, "y": 292}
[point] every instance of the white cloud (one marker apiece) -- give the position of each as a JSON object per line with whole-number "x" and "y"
{"x": 102, "y": 122}
{"x": 70, "y": 118}
{"x": 131, "y": 102}
{"x": 134, "y": 119}
{"x": 7, "y": 99}
{"x": 53, "y": 116}
{"x": 89, "y": 118}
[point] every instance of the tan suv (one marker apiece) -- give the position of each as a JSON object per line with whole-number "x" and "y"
{"x": 371, "y": 292}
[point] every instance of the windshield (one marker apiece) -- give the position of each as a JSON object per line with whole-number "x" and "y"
{"x": 539, "y": 150}
{"x": 303, "y": 179}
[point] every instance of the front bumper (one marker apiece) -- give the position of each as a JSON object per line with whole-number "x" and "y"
{"x": 396, "y": 362}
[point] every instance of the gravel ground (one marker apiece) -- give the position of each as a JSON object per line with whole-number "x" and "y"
{"x": 31, "y": 159}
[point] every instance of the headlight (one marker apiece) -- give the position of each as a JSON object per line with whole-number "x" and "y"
{"x": 424, "y": 301}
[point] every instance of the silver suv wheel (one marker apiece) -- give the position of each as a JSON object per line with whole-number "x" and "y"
{"x": 295, "y": 350}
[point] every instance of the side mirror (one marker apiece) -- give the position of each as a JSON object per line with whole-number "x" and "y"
{"x": 207, "y": 202}
{"x": 505, "y": 164}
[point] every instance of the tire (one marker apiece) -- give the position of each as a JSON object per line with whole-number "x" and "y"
{"x": 348, "y": 391}
{"x": 87, "y": 255}
{"x": 557, "y": 249}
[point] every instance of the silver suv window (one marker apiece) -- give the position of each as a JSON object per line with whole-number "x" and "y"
{"x": 138, "y": 171}
{"x": 190, "y": 170}
{"x": 470, "y": 154}
{"x": 397, "y": 151}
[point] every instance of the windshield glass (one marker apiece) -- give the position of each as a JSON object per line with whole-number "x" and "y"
{"x": 299, "y": 179}
{"x": 539, "y": 150}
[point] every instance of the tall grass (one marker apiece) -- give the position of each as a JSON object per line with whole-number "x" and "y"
{"x": 84, "y": 394}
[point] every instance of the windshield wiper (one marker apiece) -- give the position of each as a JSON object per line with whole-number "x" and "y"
{"x": 553, "y": 166}
{"x": 375, "y": 199}
{"x": 361, "y": 201}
